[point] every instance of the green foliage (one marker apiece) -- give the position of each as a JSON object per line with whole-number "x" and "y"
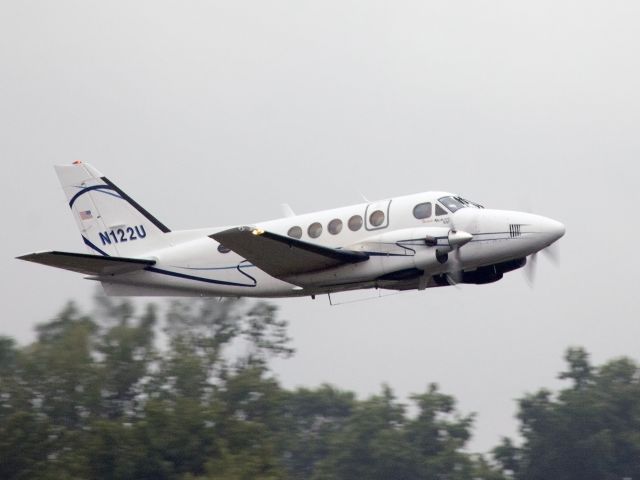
{"x": 371, "y": 444}
{"x": 23, "y": 445}
{"x": 314, "y": 419}
{"x": 590, "y": 430}
{"x": 107, "y": 396}
{"x": 580, "y": 370}
{"x": 59, "y": 369}
{"x": 379, "y": 440}
{"x": 126, "y": 351}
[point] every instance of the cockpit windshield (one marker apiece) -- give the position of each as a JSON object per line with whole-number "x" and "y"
{"x": 456, "y": 203}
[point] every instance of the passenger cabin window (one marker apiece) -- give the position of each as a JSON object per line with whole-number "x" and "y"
{"x": 355, "y": 223}
{"x": 295, "y": 232}
{"x": 335, "y": 226}
{"x": 315, "y": 230}
{"x": 223, "y": 249}
{"x": 376, "y": 218}
{"x": 440, "y": 210}
{"x": 422, "y": 210}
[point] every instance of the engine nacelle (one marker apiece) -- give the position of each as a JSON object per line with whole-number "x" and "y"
{"x": 486, "y": 274}
{"x": 431, "y": 259}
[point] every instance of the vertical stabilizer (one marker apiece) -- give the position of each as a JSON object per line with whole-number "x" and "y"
{"x": 109, "y": 220}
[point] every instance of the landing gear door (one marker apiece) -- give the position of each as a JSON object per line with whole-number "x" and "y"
{"x": 376, "y": 216}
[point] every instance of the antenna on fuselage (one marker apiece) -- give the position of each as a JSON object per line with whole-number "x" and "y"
{"x": 287, "y": 211}
{"x": 363, "y": 197}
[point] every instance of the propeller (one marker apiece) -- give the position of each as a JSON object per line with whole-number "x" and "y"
{"x": 457, "y": 238}
{"x": 551, "y": 252}
{"x": 454, "y": 277}
{"x": 530, "y": 269}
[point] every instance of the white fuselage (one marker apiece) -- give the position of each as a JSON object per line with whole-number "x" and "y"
{"x": 400, "y": 258}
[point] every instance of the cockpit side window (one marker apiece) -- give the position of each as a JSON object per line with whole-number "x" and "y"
{"x": 477, "y": 205}
{"x": 456, "y": 203}
{"x": 468, "y": 203}
{"x": 452, "y": 203}
{"x": 440, "y": 210}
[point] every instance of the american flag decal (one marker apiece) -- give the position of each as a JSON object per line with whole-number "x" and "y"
{"x": 86, "y": 215}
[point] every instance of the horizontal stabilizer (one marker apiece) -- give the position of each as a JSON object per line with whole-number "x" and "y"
{"x": 281, "y": 256}
{"x": 97, "y": 265}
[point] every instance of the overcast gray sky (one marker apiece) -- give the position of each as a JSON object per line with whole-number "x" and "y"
{"x": 213, "y": 113}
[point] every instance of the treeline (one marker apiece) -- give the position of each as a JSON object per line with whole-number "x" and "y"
{"x": 126, "y": 394}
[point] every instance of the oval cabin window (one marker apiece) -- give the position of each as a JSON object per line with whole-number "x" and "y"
{"x": 422, "y": 210}
{"x": 335, "y": 226}
{"x": 376, "y": 218}
{"x": 315, "y": 230}
{"x": 295, "y": 232}
{"x": 355, "y": 223}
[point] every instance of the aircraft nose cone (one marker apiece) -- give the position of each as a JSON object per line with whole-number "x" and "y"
{"x": 556, "y": 229}
{"x": 552, "y": 229}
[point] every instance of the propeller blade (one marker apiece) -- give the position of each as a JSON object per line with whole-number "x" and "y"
{"x": 451, "y": 280}
{"x": 455, "y": 274}
{"x": 422, "y": 282}
{"x": 553, "y": 253}
{"x": 457, "y": 239}
{"x": 530, "y": 269}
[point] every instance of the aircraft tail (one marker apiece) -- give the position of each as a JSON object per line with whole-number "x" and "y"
{"x": 110, "y": 221}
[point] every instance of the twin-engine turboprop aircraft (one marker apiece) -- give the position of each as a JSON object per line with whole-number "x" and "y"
{"x": 420, "y": 241}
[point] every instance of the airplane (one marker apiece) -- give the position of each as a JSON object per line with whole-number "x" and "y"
{"x": 420, "y": 241}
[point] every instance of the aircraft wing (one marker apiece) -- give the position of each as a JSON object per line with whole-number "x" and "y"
{"x": 282, "y": 256}
{"x": 88, "y": 264}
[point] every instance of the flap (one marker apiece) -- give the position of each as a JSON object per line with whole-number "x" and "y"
{"x": 281, "y": 256}
{"x": 88, "y": 264}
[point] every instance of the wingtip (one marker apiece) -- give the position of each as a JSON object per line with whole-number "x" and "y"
{"x": 27, "y": 256}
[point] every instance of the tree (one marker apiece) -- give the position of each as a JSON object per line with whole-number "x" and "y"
{"x": 439, "y": 434}
{"x": 96, "y": 396}
{"x": 371, "y": 444}
{"x": 266, "y": 335}
{"x": 61, "y": 371}
{"x": 314, "y": 417}
{"x": 509, "y": 457}
{"x": 127, "y": 352}
{"x": 580, "y": 369}
{"x": 379, "y": 440}
{"x": 590, "y": 430}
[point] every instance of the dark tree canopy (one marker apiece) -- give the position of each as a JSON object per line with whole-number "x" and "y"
{"x": 185, "y": 391}
{"x": 590, "y": 430}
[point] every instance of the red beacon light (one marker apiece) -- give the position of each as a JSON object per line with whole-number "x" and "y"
{"x": 77, "y": 162}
